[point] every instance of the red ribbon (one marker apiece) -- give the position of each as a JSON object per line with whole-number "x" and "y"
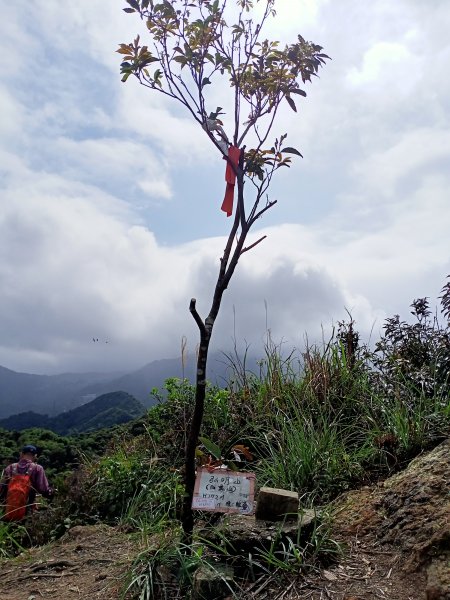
{"x": 230, "y": 177}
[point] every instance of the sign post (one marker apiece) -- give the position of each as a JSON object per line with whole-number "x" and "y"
{"x": 222, "y": 490}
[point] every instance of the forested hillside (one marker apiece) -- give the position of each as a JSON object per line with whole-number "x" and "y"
{"x": 49, "y": 394}
{"x": 105, "y": 411}
{"x": 59, "y": 455}
{"x": 53, "y": 394}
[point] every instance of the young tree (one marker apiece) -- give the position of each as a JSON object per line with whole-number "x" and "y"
{"x": 198, "y": 44}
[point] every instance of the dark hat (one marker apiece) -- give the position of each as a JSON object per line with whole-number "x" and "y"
{"x": 29, "y": 449}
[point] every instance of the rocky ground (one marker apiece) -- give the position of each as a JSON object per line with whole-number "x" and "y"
{"x": 396, "y": 536}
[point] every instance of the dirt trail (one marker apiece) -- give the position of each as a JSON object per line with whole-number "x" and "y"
{"x": 88, "y": 562}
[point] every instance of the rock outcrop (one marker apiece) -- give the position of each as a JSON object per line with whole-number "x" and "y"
{"x": 409, "y": 511}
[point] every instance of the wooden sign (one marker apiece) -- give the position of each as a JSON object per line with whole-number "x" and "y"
{"x": 222, "y": 490}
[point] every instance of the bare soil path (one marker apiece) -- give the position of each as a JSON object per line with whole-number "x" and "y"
{"x": 88, "y": 562}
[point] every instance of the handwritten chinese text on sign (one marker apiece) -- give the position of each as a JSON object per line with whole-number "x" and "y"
{"x": 224, "y": 491}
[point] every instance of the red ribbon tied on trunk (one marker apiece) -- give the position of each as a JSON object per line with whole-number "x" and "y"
{"x": 234, "y": 154}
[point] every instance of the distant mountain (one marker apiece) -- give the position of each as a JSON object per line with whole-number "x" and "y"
{"x": 54, "y": 394}
{"x": 153, "y": 375}
{"x": 106, "y": 410}
{"x": 49, "y": 394}
{"x": 26, "y": 420}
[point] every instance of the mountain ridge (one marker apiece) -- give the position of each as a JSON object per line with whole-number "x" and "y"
{"x": 54, "y": 394}
{"x": 107, "y": 410}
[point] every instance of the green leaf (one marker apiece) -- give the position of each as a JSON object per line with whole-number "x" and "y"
{"x": 212, "y": 448}
{"x": 125, "y": 77}
{"x": 129, "y": 10}
{"x": 231, "y": 465}
{"x": 205, "y": 81}
{"x": 149, "y": 60}
{"x": 289, "y": 150}
{"x": 299, "y": 92}
{"x": 291, "y": 103}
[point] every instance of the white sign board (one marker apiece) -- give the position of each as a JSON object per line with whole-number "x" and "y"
{"x": 221, "y": 490}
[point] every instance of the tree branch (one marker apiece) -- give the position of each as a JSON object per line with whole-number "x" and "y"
{"x": 262, "y": 211}
{"x": 197, "y": 318}
{"x": 253, "y": 245}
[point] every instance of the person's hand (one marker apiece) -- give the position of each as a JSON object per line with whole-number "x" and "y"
{"x": 51, "y": 493}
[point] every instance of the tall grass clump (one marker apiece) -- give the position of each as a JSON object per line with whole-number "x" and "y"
{"x": 343, "y": 414}
{"x": 317, "y": 459}
{"x": 132, "y": 485}
{"x": 13, "y": 539}
{"x": 166, "y": 570}
{"x": 313, "y": 434}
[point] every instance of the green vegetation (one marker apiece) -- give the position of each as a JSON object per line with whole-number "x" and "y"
{"x": 318, "y": 423}
{"x": 10, "y": 539}
{"x": 59, "y": 455}
{"x": 107, "y": 410}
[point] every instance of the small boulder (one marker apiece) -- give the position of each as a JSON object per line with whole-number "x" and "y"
{"x": 275, "y": 505}
{"x": 213, "y": 582}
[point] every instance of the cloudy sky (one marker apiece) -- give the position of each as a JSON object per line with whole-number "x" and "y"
{"x": 110, "y": 196}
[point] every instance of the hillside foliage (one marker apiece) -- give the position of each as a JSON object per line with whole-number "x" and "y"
{"x": 107, "y": 410}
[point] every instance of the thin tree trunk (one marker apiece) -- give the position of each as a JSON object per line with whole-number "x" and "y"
{"x": 194, "y": 431}
{"x": 228, "y": 264}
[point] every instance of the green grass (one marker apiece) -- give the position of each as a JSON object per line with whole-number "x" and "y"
{"x": 12, "y": 538}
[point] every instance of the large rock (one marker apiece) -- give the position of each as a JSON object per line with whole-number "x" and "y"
{"x": 409, "y": 511}
{"x": 416, "y": 504}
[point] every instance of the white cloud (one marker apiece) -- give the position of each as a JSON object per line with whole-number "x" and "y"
{"x": 75, "y": 266}
{"x": 92, "y": 181}
{"x": 74, "y": 270}
{"x": 384, "y": 58}
{"x": 110, "y": 160}
{"x": 402, "y": 165}
{"x": 11, "y": 116}
{"x": 148, "y": 116}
